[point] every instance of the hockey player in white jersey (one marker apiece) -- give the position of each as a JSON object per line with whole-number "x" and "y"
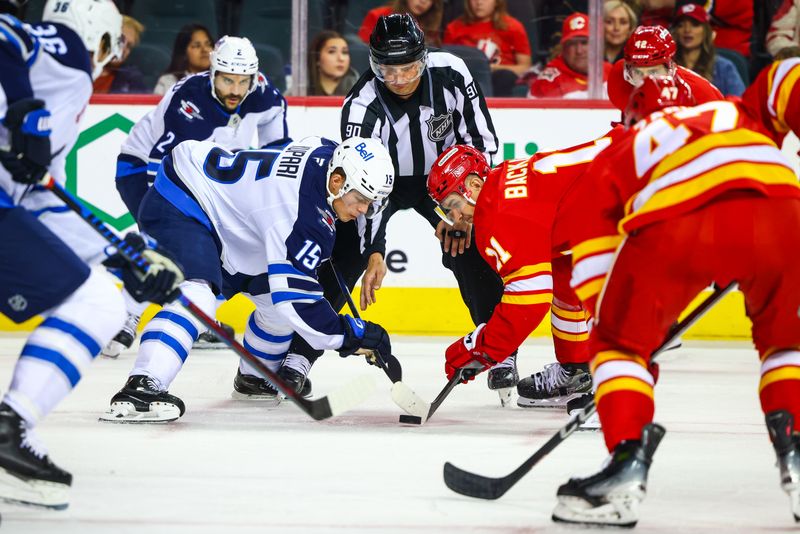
{"x": 231, "y": 105}
{"x": 45, "y": 85}
{"x": 258, "y": 222}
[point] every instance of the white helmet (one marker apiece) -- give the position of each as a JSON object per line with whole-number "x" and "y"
{"x": 234, "y": 55}
{"x": 367, "y": 168}
{"x": 97, "y": 22}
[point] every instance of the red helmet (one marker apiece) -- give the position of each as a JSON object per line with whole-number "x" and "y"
{"x": 648, "y": 46}
{"x": 656, "y": 93}
{"x": 451, "y": 168}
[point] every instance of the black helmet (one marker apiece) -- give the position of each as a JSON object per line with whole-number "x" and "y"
{"x": 396, "y": 39}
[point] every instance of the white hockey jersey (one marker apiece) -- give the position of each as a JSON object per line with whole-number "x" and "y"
{"x": 190, "y": 111}
{"x": 270, "y": 213}
{"x": 47, "y": 61}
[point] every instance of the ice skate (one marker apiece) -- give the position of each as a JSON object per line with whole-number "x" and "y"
{"x": 124, "y": 338}
{"x": 27, "y": 475}
{"x": 209, "y": 340}
{"x": 250, "y": 387}
{"x": 554, "y": 386}
{"x": 612, "y": 496}
{"x": 141, "y": 401}
{"x": 787, "y": 447}
{"x": 503, "y": 377}
{"x": 577, "y": 404}
{"x": 294, "y": 371}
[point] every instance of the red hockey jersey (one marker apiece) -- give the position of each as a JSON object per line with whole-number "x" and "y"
{"x": 774, "y": 99}
{"x": 671, "y": 163}
{"x": 516, "y": 233}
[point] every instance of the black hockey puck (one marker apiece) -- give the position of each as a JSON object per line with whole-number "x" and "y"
{"x": 411, "y": 419}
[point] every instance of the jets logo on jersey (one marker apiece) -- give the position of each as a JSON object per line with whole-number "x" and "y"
{"x": 190, "y": 110}
{"x": 327, "y": 220}
{"x": 439, "y": 126}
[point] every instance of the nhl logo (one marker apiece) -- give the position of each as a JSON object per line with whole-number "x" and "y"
{"x": 439, "y": 126}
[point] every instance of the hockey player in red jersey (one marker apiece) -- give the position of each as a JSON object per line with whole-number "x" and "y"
{"x": 649, "y": 51}
{"x": 688, "y": 196}
{"x": 514, "y": 209}
{"x": 774, "y": 99}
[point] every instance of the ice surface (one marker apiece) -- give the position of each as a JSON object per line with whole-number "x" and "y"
{"x": 234, "y": 466}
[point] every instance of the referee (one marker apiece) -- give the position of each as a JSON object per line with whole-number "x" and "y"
{"x": 418, "y": 103}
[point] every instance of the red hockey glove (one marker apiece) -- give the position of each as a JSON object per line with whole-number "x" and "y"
{"x": 468, "y": 352}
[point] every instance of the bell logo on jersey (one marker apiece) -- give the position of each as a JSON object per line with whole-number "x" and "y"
{"x": 439, "y": 126}
{"x": 190, "y": 110}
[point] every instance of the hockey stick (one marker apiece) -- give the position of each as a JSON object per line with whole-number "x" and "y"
{"x": 389, "y": 364}
{"x": 421, "y": 410}
{"x": 335, "y": 403}
{"x": 481, "y": 487}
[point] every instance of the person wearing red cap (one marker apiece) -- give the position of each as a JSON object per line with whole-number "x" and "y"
{"x": 650, "y": 51}
{"x": 696, "y": 51}
{"x": 688, "y": 196}
{"x": 566, "y": 75}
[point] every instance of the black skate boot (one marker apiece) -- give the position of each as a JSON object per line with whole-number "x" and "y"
{"x": 296, "y": 379}
{"x": 554, "y": 386}
{"x": 503, "y": 377}
{"x": 141, "y": 401}
{"x": 612, "y": 496}
{"x": 27, "y": 475}
{"x": 787, "y": 447}
{"x": 577, "y": 405}
{"x": 251, "y": 387}
{"x": 210, "y": 340}
{"x": 124, "y": 338}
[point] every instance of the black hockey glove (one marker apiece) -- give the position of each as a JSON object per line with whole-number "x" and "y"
{"x": 160, "y": 282}
{"x": 359, "y": 334}
{"x": 29, "y": 156}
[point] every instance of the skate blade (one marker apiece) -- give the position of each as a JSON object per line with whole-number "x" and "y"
{"x": 125, "y": 412}
{"x": 794, "y": 499}
{"x": 506, "y": 396}
{"x": 209, "y": 345}
{"x": 590, "y": 425}
{"x": 553, "y": 402}
{"x": 112, "y": 350}
{"x": 267, "y": 400}
{"x": 30, "y": 492}
{"x": 620, "y": 511}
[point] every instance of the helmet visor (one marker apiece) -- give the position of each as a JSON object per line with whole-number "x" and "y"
{"x": 403, "y": 74}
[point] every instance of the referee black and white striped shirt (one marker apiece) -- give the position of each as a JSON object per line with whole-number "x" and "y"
{"x": 447, "y": 109}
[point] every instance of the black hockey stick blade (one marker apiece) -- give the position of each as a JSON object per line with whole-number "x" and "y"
{"x": 337, "y": 402}
{"x": 481, "y": 487}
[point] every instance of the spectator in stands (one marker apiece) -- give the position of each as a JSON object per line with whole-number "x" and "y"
{"x": 329, "y": 69}
{"x": 190, "y": 54}
{"x": 657, "y": 12}
{"x": 695, "y": 39}
{"x": 428, "y": 14}
{"x": 565, "y": 76}
{"x": 785, "y": 28}
{"x": 119, "y": 78}
{"x": 487, "y": 26}
{"x": 619, "y": 20}
{"x": 733, "y": 22}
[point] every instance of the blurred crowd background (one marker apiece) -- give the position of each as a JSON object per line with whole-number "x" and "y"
{"x": 521, "y": 48}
